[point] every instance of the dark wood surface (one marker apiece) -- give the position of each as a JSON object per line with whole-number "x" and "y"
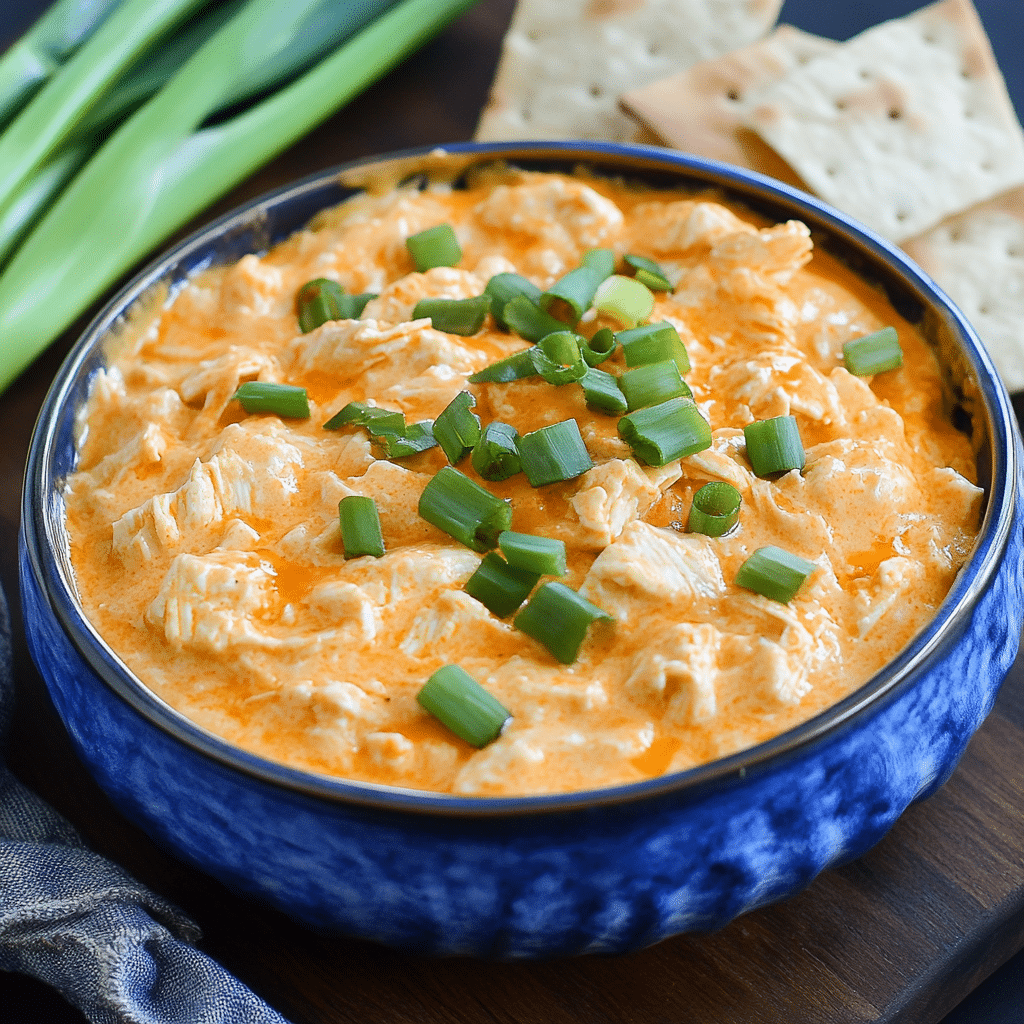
{"x": 903, "y": 934}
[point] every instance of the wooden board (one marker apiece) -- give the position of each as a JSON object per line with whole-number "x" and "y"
{"x": 901, "y": 935}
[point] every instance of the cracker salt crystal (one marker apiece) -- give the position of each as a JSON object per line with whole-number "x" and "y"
{"x": 977, "y": 257}
{"x": 564, "y": 63}
{"x": 901, "y": 126}
{"x": 701, "y": 110}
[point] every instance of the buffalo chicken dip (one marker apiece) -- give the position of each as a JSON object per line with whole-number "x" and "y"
{"x": 421, "y": 496}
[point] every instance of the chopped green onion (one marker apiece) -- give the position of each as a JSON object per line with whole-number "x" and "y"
{"x": 774, "y": 445}
{"x": 322, "y": 299}
{"x": 649, "y": 273}
{"x": 374, "y": 419}
{"x": 542, "y": 555}
{"x": 874, "y": 353}
{"x": 454, "y": 316}
{"x": 496, "y": 455}
{"x": 653, "y": 343}
{"x": 571, "y": 295}
{"x": 457, "y": 429}
{"x": 558, "y": 358}
{"x": 528, "y": 320}
{"x": 774, "y": 573}
{"x": 715, "y": 509}
{"x": 653, "y": 383}
{"x": 625, "y": 299}
{"x": 601, "y": 260}
{"x": 513, "y": 367}
{"x": 264, "y": 396}
{"x": 661, "y": 433}
{"x": 360, "y": 526}
{"x": 599, "y": 347}
{"x": 418, "y": 437}
{"x": 602, "y": 392}
{"x": 559, "y": 618}
{"x": 554, "y": 453}
{"x": 435, "y": 247}
{"x": 500, "y": 587}
{"x": 464, "y": 510}
{"x": 462, "y": 705}
{"x": 317, "y": 302}
{"x": 503, "y": 287}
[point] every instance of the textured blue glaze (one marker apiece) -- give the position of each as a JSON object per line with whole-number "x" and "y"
{"x": 561, "y": 877}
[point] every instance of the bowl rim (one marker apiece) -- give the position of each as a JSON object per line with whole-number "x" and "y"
{"x": 39, "y": 521}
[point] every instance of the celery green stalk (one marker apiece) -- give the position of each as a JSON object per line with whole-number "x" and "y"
{"x": 52, "y": 113}
{"x": 34, "y": 58}
{"x": 161, "y": 167}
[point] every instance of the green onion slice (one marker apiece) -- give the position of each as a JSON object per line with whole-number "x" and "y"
{"x": 462, "y": 705}
{"x": 418, "y": 437}
{"x": 661, "y": 433}
{"x": 602, "y": 392}
{"x": 454, "y": 316}
{"x": 513, "y": 367}
{"x": 503, "y": 287}
{"x": 625, "y": 299}
{"x": 464, "y": 510}
{"x": 652, "y": 384}
{"x": 653, "y": 343}
{"x": 360, "y": 526}
{"x": 500, "y": 587}
{"x": 599, "y": 347}
{"x": 571, "y": 295}
{"x": 374, "y": 419}
{"x": 496, "y": 455}
{"x": 318, "y": 301}
{"x": 774, "y": 573}
{"x": 265, "y": 396}
{"x": 558, "y": 357}
{"x": 554, "y": 453}
{"x": 559, "y": 618}
{"x": 600, "y": 260}
{"x": 457, "y": 428}
{"x": 435, "y": 247}
{"x": 649, "y": 273}
{"x": 542, "y": 555}
{"x": 774, "y": 445}
{"x": 322, "y": 299}
{"x": 715, "y": 509}
{"x": 528, "y": 320}
{"x": 874, "y": 353}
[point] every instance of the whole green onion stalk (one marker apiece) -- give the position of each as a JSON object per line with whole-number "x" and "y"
{"x": 165, "y": 164}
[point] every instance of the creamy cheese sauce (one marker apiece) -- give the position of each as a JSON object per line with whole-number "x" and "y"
{"x": 207, "y": 549}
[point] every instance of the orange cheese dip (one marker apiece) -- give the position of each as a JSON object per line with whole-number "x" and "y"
{"x": 207, "y": 548}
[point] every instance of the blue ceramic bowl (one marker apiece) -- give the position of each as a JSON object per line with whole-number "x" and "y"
{"x": 605, "y": 871}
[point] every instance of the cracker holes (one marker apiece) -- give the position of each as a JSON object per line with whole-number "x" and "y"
{"x": 840, "y": 104}
{"x": 895, "y": 113}
{"x": 984, "y": 309}
{"x": 930, "y": 37}
{"x": 653, "y": 49}
{"x": 1015, "y": 252}
{"x": 734, "y": 96}
{"x": 831, "y": 170}
{"x": 902, "y": 215}
{"x": 956, "y": 234}
{"x": 988, "y": 166}
{"x": 865, "y": 73}
{"x": 596, "y": 92}
{"x": 803, "y": 58}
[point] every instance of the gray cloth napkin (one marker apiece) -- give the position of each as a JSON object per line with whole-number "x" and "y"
{"x": 110, "y": 946}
